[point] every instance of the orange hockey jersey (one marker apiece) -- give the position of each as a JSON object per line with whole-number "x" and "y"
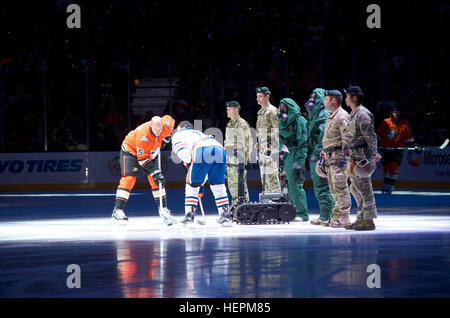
{"x": 142, "y": 143}
{"x": 394, "y": 135}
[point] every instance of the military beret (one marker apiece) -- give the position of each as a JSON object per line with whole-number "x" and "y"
{"x": 263, "y": 89}
{"x": 232, "y": 103}
{"x": 333, "y": 92}
{"x": 354, "y": 90}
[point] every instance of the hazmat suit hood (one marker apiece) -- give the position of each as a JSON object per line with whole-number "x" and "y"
{"x": 293, "y": 112}
{"x": 318, "y": 101}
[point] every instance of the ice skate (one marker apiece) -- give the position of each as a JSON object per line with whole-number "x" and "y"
{"x": 389, "y": 189}
{"x": 167, "y": 216}
{"x": 225, "y": 218}
{"x": 384, "y": 189}
{"x": 118, "y": 215}
{"x": 188, "y": 219}
{"x": 340, "y": 221}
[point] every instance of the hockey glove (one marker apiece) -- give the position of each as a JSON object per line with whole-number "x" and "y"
{"x": 157, "y": 176}
{"x": 201, "y": 191}
{"x": 165, "y": 142}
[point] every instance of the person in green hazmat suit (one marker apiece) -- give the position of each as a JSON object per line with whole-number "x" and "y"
{"x": 293, "y": 131}
{"x": 318, "y": 115}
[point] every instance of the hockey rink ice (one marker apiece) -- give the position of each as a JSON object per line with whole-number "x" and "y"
{"x": 41, "y": 234}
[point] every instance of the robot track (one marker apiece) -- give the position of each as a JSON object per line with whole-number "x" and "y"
{"x": 264, "y": 213}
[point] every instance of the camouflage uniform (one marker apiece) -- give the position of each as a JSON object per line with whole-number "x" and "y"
{"x": 267, "y": 134}
{"x": 335, "y": 163}
{"x": 318, "y": 115}
{"x": 361, "y": 141}
{"x": 238, "y": 145}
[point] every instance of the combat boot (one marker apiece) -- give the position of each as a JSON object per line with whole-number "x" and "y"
{"x": 301, "y": 218}
{"x": 367, "y": 225}
{"x": 353, "y": 226}
{"x": 340, "y": 221}
{"x": 318, "y": 221}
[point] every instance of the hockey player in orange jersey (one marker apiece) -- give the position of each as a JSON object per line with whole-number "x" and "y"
{"x": 393, "y": 133}
{"x": 141, "y": 148}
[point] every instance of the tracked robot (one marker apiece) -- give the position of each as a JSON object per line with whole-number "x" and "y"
{"x": 272, "y": 208}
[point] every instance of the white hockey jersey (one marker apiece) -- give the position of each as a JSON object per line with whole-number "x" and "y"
{"x": 186, "y": 141}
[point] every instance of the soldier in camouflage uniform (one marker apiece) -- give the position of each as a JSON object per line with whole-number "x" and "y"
{"x": 360, "y": 140}
{"x": 333, "y": 160}
{"x": 267, "y": 134}
{"x": 317, "y": 116}
{"x": 238, "y": 144}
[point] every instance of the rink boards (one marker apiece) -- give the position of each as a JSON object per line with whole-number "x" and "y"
{"x": 101, "y": 170}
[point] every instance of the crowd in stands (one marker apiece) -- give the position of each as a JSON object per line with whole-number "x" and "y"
{"x": 228, "y": 48}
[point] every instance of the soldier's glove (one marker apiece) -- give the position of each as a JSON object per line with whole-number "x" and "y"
{"x": 320, "y": 170}
{"x": 284, "y": 149}
{"x": 157, "y": 176}
{"x": 299, "y": 171}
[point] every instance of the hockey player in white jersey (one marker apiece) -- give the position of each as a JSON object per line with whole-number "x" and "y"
{"x": 205, "y": 159}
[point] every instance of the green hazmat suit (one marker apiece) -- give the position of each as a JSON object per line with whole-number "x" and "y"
{"x": 317, "y": 119}
{"x": 294, "y": 134}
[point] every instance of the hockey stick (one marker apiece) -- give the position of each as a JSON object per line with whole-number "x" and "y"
{"x": 444, "y": 144}
{"x": 162, "y": 211}
{"x": 160, "y": 183}
{"x": 417, "y": 148}
{"x": 201, "y": 222}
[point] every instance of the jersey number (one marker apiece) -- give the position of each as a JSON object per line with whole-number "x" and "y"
{"x": 140, "y": 151}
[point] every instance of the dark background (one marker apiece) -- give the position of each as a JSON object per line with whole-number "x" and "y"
{"x": 220, "y": 51}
